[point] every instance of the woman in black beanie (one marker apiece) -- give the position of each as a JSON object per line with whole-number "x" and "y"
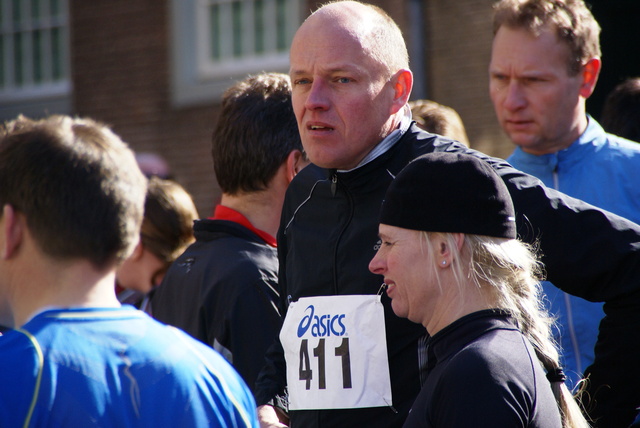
{"x": 451, "y": 262}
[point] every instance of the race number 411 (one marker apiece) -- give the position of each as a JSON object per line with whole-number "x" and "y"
{"x": 319, "y": 352}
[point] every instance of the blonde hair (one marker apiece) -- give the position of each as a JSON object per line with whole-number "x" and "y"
{"x": 439, "y": 119}
{"x": 511, "y": 272}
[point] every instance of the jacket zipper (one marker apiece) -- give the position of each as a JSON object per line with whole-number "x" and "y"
{"x": 334, "y": 185}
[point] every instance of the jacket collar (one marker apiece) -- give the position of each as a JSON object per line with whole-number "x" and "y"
{"x": 573, "y": 154}
{"x": 388, "y": 142}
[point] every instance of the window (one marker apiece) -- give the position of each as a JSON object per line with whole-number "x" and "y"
{"x": 34, "y": 57}
{"x": 219, "y": 41}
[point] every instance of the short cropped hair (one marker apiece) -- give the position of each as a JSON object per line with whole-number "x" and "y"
{"x": 439, "y": 119}
{"x": 255, "y": 133}
{"x": 621, "y": 111}
{"x": 77, "y": 184}
{"x": 573, "y": 22}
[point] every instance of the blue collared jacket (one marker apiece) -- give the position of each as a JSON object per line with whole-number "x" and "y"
{"x": 603, "y": 170}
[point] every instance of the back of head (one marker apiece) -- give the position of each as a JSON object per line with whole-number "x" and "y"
{"x": 439, "y": 119}
{"x": 379, "y": 33}
{"x": 255, "y": 133}
{"x": 169, "y": 213}
{"x": 572, "y": 20}
{"x": 77, "y": 184}
{"x": 621, "y": 111}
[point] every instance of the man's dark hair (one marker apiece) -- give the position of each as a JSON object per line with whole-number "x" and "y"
{"x": 76, "y": 183}
{"x": 255, "y": 133}
{"x": 621, "y": 111}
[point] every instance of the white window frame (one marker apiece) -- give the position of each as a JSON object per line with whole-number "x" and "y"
{"x": 197, "y": 78}
{"x": 23, "y": 94}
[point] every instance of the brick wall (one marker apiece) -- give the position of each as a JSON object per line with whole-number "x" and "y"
{"x": 121, "y": 75}
{"x": 458, "y": 53}
{"x": 120, "y": 65}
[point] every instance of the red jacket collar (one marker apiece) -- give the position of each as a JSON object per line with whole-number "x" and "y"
{"x": 225, "y": 213}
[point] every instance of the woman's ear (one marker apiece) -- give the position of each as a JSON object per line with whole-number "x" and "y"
{"x": 445, "y": 253}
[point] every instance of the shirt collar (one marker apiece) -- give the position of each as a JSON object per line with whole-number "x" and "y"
{"x": 225, "y": 213}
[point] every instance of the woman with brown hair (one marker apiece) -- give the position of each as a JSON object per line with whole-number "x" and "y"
{"x": 167, "y": 230}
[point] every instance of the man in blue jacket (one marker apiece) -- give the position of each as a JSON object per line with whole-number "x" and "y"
{"x": 539, "y": 84}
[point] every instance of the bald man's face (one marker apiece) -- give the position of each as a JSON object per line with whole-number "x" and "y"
{"x": 342, "y": 97}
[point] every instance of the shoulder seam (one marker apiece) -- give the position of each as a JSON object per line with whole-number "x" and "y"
{"x": 36, "y": 390}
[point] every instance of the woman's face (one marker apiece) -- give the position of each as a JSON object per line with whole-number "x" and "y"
{"x": 405, "y": 261}
{"x": 142, "y": 271}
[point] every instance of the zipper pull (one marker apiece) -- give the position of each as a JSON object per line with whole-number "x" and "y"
{"x": 334, "y": 181}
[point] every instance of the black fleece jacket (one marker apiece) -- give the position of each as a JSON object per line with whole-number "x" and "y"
{"x": 223, "y": 291}
{"x": 328, "y": 235}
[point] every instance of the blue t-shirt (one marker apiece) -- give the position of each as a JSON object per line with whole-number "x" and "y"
{"x": 115, "y": 367}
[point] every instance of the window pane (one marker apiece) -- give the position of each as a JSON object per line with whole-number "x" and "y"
{"x": 214, "y": 16}
{"x": 57, "y": 47}
{"x": 236, "y": 13}
{"x": 17, "y": 12}
{"x": 259, "y": 26}
{"x": 17, "y": 59}
{"x": 35, "y": 9}
{"x": 281, "y": 25}
{"x": 2, "y": 77}
{"x": 245, "y": 29}
{"x": 37, "y": 53}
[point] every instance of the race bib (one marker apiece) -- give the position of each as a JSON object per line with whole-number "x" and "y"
{"x": 336, "y": 353}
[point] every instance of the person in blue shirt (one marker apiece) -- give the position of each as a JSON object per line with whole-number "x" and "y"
{"x": 71, "y": 202}
{"x": 539, "y": 84}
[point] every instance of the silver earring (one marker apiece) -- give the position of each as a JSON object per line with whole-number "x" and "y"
{"x": 444, "y": 262}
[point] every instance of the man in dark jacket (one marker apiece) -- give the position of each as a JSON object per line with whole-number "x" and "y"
{"x": 351, "y": 83}
{"x": 223, "y": 289}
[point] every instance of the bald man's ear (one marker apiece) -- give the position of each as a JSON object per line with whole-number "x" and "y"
{"x": 590, "y": 73}
{"x": 402, "y": 83}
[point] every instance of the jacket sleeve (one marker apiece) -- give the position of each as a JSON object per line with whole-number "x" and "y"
{"x": 593, "y": 254}
{"x": 252, "y": 325}
{"x": 270, "y": 387}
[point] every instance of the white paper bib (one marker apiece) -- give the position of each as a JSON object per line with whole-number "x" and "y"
{"x": 336, "y": 353}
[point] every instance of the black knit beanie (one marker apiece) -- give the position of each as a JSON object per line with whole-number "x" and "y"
{"x": 450, "y": 192}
